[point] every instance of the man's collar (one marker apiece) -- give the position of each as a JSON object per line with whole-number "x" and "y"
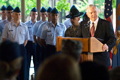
{"x": 15, "y": 24}
{"x": 54, "y": 25}
{"x": 95, "y": 20}
{"x": 4, "y": 20}
{"x": 31, "y": 22}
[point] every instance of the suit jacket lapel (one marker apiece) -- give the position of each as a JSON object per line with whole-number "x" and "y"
{"x": 98, "y": 28}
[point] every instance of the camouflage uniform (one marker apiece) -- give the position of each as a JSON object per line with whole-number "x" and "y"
{"x": 70, "y": 32}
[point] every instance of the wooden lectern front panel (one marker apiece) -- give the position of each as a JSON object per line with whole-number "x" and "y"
{"x": 90, "y": 46}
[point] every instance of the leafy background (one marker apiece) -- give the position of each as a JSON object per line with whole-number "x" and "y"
{"x": 61, "y": 5}
{"x": 29, "y": 4}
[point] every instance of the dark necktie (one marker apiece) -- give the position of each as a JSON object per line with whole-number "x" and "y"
{"x": 92, "y": 30}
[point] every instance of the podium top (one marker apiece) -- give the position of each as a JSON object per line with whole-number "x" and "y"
{"x": 91, "y": 44}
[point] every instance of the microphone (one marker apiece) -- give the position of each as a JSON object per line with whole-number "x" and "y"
{"x": 87, "y": 25}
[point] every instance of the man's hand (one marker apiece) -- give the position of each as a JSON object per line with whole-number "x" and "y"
{"x": 25, "y": 42}
{"x": 35, "y": 40}
{"x": 105, "y": 47}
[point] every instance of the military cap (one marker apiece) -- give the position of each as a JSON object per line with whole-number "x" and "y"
{"x": 9, "y": 51}
{"x": 34, "y": 10}
{"x": 9, "y": 7}
{"x": 43, "y": 9}
{"x": 54, "y": 11}
{"x": 74, "y": 12}
{"x": 16, "y": 10}
{"x": 3, "y": 7}
{"x": 49, "y": 9}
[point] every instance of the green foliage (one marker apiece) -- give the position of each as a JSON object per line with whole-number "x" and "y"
{"x": 100, "y": 5}
{"x": 29, "y": 4}
{"x": 114, "y": 3}
{"x": 45, "y": 3}
{"x": 32, "y": 3}
{"x": 82, "y": 5}
{"x": 63, "y": 4}
{"x": 13, "y": 3}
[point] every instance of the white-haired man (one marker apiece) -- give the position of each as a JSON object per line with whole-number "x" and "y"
{"x": 100, "y": 29}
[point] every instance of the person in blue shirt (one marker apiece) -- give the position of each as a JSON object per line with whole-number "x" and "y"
{"x": 43, "y": 14}
{"x": 3, "y": 12}
{"x": 17, "y": 31}
{"x": 31, "y": 47}
{"x": 50, "y": 32}
{"x": 9, "y": 12}
{"x": 67, "y": 23}
{"x": 41, "y": 56}
{"x": 43, "y": 24}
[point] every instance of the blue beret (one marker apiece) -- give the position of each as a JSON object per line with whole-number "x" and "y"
{"x": 9, "y": 7}
{"x": 34, "y": 10}
{"x": 9, "y": 51}
{"x": 3, "y": 7}
{"x": 54, "y": 11}
{"x": 43, "y": 10}
{"x": 49, "y": 9}
{"x": 16, "y": 10}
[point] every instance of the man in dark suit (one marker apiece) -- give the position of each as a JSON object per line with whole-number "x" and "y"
{"x": 100, "y": 29}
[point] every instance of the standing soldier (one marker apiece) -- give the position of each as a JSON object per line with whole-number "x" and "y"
{"x": 43, "y": 24}
{"x": 17, "y": 31}
{"x": 31, "y": 47}
{"x": 74, "y": 18}
{"x": 41, "y": 56}
{"x": 3, "y": 13}
{"x": 9, "y": 12}
{"x": 43, "y": 14}
{"x": 50, "y": 32}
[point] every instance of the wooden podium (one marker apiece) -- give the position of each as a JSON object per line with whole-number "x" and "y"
{"x": 90, "y": 46}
